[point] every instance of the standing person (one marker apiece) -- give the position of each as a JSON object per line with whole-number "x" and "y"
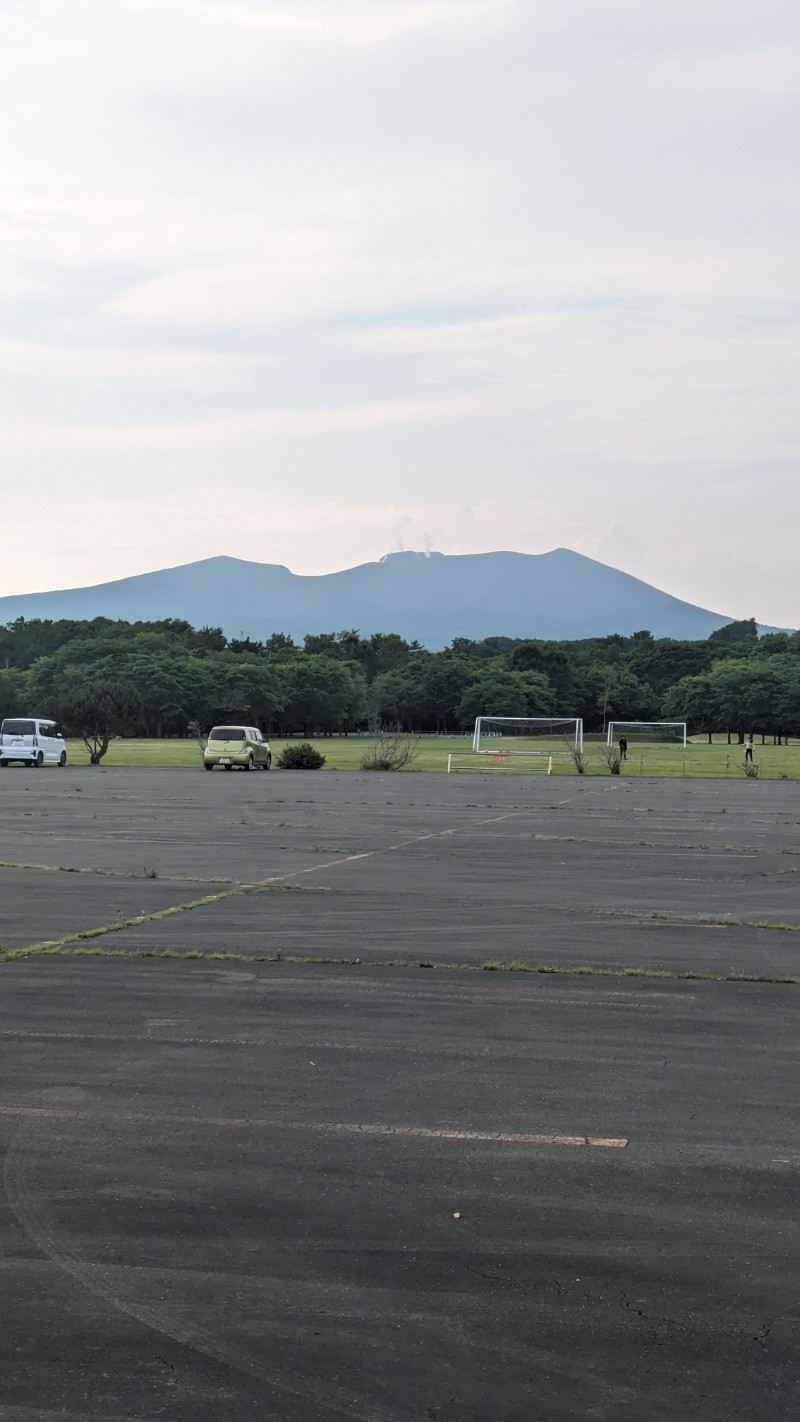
{"x": 748, "y": 748}
{"x": 623, "y": 748}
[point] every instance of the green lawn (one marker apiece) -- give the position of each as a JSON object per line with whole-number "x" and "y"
{"x": 716, "y": 761}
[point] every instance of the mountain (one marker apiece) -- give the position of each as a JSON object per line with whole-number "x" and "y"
{"x": 432, "y": 597}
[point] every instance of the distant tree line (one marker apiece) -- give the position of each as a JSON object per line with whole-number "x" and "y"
{"x": 158, "y": 678}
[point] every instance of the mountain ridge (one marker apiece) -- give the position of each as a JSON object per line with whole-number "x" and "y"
{"x": 428, "y": 596}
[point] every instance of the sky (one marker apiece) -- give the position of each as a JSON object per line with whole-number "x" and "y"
{"x": 312, "y": 281}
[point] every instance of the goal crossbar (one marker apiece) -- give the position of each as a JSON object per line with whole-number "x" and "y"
{"x": 640, "y": 729}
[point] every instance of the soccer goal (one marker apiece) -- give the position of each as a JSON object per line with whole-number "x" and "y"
{"x": 532, "y": 735}
{"x": 651, "y": 732}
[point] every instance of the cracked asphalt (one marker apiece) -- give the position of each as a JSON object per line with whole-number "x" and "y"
{"x": 243, "y": 1188}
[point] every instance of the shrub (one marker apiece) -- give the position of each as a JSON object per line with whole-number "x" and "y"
{"x": 391, "y": 751}
{"x": 302, "y": 757}
{"x": 578, "y": 756}
{"x": 612, "y": 759}
{"x": 195, "y": 730}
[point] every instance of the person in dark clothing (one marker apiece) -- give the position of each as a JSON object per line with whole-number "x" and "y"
{"x": 623, "y": 748}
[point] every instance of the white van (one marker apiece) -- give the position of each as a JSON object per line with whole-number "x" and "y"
{"x": 33, "y": 740}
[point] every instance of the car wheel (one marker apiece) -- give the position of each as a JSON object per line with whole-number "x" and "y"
{"x": 229, "y": 767}
{"x": 208, "y": 767}
{"x": 62, "y": 759}
{"x": 267, "y": 763}
{"x": 3, "y": 764}
{"x": 38, "y": 761}
{"x": 248, "y": 765}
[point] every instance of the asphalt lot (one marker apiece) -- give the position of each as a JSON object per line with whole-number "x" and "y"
{"x": 241, "y": 1188}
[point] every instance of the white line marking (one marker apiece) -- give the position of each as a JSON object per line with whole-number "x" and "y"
{"x": 510, "y": 1138}
{"x": 66, "y": 1113}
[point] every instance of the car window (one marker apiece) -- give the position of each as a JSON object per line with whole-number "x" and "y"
{"x": 226, "y": 733}
{"x": 18, "y": 728}
{"x": 47, "y": 728}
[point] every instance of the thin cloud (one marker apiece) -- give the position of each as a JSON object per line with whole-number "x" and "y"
{"x": 359, "y": 21}
{"x": 448, "y": 247}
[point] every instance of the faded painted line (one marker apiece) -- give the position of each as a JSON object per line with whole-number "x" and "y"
{"x": 433, "y": 1133}
{"x": 504, "y": 1137}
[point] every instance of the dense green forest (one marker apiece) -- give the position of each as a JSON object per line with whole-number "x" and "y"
{"x": 159, "y": 678}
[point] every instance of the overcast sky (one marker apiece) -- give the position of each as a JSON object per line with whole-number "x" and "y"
{"x": 308, "y": 281}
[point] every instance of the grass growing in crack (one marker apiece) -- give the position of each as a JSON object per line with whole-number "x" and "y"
{"x": 8, "y": 955}
{"x": 64, "y": 948}
{"x": 320, "y": 849}
{"x": 403, "y": 964}
{"x": 679, "y": 920}
{"x": 55, "y": 944}
{"x": 758, "y": 978}
{"x": 293, "y": 889}
{"x": 489, "y": 965}
{"x": 744, "y": 849}
{"x": 95, "y": 870}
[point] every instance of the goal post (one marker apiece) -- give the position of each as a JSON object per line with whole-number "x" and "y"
{"x": 529, "y": 734}
{"x": 663, "y": 732}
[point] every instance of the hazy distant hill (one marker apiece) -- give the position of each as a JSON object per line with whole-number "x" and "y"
{"x": 432, "y": 597}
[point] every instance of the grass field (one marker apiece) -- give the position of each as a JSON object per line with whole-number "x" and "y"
{"x": 717, "y": 761}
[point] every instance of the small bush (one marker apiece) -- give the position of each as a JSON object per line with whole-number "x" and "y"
{"x": 578, "y": 756}
{"x": 302, "y": 757}
{"x": 612, "y": 759}
{"x": 195, "y": 730}
{"x": 391, "y": 751}
{"x": 750, "y": 768}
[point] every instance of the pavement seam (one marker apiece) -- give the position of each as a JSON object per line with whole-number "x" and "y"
{"x": 114, "y": 873}
{"x": 745, "y": 849}
{"x": 395, "y": 964}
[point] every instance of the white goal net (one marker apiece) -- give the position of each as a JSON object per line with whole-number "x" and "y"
{"x": 531, "y": 735}
{"x": 647, "y": 732}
